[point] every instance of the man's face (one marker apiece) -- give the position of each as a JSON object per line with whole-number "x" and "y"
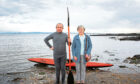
{"x": 59, "y": 28}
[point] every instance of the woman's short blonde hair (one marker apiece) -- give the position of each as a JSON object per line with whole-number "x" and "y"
{"x": 80, "y": 26}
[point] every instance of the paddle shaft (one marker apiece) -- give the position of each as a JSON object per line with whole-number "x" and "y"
{"x": 69, "y": 38}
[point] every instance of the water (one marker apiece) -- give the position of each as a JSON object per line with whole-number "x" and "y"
{"x": 15, "y": 49}
{"x": 115, "y": 52}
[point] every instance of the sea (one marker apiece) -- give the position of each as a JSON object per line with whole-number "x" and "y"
{"x": 15, "y": 49}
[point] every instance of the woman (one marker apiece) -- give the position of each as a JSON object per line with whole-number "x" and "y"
{"x": 81, "y": 50}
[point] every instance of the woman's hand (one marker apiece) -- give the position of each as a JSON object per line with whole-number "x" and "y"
{"x": 87, "y": 57}
{"x": 75, "y": 58}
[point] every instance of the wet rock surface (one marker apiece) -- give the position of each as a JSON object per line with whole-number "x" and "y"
{"x": 134, "y": 60}
{"x": 105, "y": 77}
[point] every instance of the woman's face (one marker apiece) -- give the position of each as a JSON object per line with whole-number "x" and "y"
{"x": 81, "y": 31}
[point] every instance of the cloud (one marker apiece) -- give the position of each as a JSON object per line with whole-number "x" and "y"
{"x": 95, "y": 15}
{"x": 10, "y": 7}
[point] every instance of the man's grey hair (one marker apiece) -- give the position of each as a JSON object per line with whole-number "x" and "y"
{"x": 80, "y": 26}
{"x": 60, "y": 23}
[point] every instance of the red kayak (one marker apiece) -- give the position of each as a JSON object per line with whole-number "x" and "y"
{"x": 51, "y": 62}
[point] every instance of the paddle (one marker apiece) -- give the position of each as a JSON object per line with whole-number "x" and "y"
{"x": 70, "y": 79}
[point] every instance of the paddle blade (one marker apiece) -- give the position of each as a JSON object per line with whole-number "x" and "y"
{"x": 70, "y": 79}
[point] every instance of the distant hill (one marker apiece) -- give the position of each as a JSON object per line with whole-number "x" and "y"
{"x": 30, "y": 32}
{"x": 25, "y": 32}
{"x": 116, "y": 34}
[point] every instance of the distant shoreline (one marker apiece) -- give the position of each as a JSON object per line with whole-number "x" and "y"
{"x": 91, "y": 34}
{"x": 117, "y": 34}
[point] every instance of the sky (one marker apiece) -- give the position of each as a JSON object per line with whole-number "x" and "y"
{"x": 97, "y": 16}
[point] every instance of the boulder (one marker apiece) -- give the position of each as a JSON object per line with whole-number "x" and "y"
{"x": 134, "y": 60}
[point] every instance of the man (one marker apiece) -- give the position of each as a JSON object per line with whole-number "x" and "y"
{"x": 59, "y": 50}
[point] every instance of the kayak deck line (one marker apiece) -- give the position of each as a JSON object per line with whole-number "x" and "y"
{"x": 49, "y": 61}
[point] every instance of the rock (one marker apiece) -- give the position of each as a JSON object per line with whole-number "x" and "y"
{"x": 113, "y": 38}
{"x": 116, "y": 59}
{"x": 106, "y": 51}
{"x": 40, "y": 77}
{"x": 43, "y": 82}
{"x": 129, "y": 58}
{"x": 41, "y": 73}
{"x": 122, "y": 66}
{"x": 134, "y": 60}
{"x": 136, "y": 57}
{"x": 103, "y": 82}
{"x": 112, "y": 54}
{"x": 17, "y": 79}
{"x": 138, "y": 65}
{"x": 126, "y": 61}
{"x": 135, "y": 38}
{"x": 95, "y": 59}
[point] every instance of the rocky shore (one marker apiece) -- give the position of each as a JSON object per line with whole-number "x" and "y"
{"x": 45, "y": 74}
{"x": 42, "y": 74}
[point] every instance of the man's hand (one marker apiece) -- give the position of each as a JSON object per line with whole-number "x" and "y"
{"x": 75, "y": 58}
{"x": 51, "y": 48}
{"x": 69, "y": 40}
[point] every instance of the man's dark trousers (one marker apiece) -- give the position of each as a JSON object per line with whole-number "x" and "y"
{"x": 60, "y": 66}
